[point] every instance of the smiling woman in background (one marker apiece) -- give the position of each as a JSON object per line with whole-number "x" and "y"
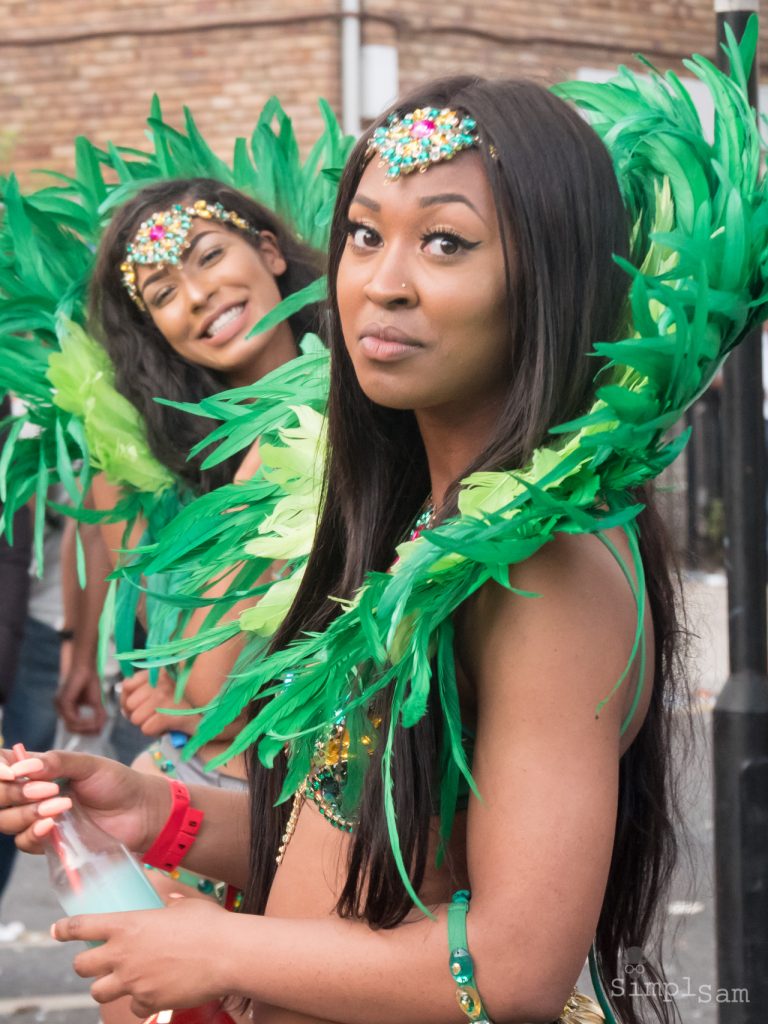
{"x": 174, "y": 306}
{"x": 184, "y": 272}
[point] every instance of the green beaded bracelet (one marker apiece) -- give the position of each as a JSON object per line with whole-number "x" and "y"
{"x": 460, "y": 962}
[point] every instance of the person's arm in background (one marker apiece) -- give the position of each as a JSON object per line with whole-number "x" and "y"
{"x": 79, "y": 697}
{"x": 141, "y": 700}
{"x": 104, "y": 496}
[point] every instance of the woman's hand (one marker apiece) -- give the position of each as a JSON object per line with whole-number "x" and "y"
{"x": 128, "y": 805}
{"x": 78, "y": 699}
{"x": 140, "y": 700}
{"x": 160, "y": 958}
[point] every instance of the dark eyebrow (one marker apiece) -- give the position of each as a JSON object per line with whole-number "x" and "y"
{"x": 365, "y": 201}
{"x": 448, "y": 197}
{"x": 164, "y": 269}
{"x": 154, "y": 277}
{"x": 438, "y": 200}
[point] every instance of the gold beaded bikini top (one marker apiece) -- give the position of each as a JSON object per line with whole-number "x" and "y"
{"x": 324, "y": 785}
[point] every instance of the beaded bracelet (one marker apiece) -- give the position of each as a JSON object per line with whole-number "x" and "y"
{"x": 460, "y": 962}
{"x": 179, "y": 832}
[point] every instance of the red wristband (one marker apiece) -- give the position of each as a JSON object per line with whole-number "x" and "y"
{"x": 178, "y": 833}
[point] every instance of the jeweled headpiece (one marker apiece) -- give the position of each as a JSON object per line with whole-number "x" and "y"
{"x": 415, "y": 141}
{"x": 164, "y": 238}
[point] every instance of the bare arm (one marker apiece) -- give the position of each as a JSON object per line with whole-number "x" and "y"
{"x": 104, "y": 496}
{"x": 132, "y": 806}
{"x": 81, "y": 686}
{"x": 142, "y": 702}
{"x": 140, "y": 699}
{"x": 212, "y": 668}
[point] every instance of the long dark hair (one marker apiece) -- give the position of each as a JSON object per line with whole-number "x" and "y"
{"x": 557, "y": 198}
{"x": 146, "y": 366}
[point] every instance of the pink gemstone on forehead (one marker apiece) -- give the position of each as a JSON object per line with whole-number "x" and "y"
{"x": 423, "y": 128}
{"x": 157, "y": 232}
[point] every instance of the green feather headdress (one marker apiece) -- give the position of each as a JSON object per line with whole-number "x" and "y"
{"x": 75, "y": 422}
{"x": 698, "y": 286}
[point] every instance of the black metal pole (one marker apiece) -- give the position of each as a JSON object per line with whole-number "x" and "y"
{"x": 705, "y": 481}
{"x": 740, "y": 721}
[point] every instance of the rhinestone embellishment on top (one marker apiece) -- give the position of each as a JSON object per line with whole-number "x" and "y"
{"x": 421, "y": 138}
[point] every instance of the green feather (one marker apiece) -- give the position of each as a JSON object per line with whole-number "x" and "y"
{"x": 315, "y": 292}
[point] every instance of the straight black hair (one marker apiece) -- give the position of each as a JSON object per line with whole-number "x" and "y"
{"x": 146, "y": 367}
{"x": 563, "y": 220}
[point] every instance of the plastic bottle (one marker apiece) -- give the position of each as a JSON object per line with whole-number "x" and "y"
{"x": 91, "y": 872}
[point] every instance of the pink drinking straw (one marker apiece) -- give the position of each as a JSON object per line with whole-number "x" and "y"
{"x": 73, "y": 876}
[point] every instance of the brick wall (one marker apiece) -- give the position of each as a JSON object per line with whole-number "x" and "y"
{"x": 71, "y": 67}
{"x": 548, "y": 40}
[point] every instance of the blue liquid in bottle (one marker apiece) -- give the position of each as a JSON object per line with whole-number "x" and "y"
{"x": 93, "y": 873}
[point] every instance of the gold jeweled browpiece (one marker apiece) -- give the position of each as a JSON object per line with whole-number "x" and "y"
{"x": 164, "y": 237}
{"x": 416, "y": 140}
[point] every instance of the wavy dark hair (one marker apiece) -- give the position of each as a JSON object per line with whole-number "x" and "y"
{"x": 557, "y": 197}
{"x": 146, "y": 367}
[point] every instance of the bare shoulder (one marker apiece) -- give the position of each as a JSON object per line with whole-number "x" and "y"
{"x": 103, "y": 494}
{"x": 576, "y": 576}
{"x": 573, "y": 635}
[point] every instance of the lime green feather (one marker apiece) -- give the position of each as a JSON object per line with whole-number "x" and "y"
{"x": 270, "y": 517}
{"x": 83, "y": 380}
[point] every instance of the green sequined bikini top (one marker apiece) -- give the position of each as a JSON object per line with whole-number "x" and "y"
{"x": 324, "y": 785}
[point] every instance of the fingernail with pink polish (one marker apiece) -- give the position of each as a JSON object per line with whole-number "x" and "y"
{"x": 40, "y": 829}
{"x": 39, "y": 790}
{"x": 29, "y": 764}
{"x": 56, "y": 805}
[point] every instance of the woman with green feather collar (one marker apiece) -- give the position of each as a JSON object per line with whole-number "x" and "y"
{"x": 464, "y": 303}
{"x": 183, "y": 273}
